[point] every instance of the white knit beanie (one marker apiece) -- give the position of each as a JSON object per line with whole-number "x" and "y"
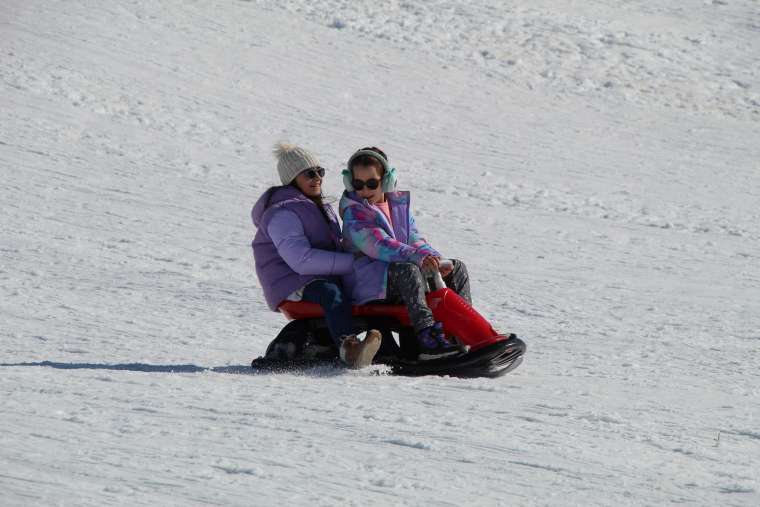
{"x": 292, "y": 160}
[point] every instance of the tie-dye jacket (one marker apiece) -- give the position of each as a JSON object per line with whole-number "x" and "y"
{"x": 376, "y": 243}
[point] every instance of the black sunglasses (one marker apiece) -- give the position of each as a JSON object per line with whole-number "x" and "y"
{"x": 371, "y": 184}
{"x": 312, "y": 173}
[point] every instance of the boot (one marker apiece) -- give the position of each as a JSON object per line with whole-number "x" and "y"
{"x": 359, "y": 354}
{"x": 434, "y": 344}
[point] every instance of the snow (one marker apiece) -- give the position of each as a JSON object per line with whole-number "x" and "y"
{"x": 595, "y": 164}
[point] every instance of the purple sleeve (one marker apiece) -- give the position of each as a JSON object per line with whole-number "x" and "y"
{"x": 286, "y": 231}
{"x": 361, "y": 229}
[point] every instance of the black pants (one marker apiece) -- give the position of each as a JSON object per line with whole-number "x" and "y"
{"x": 407, "y": 285}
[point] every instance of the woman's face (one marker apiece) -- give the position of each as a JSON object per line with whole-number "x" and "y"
{"x": 310, "y": 182}
{"x": 362, "y": 174}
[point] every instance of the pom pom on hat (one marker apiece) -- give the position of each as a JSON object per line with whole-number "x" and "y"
{"x": 292, "y": 160}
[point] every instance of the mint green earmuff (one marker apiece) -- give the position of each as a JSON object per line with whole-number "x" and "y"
{"x": 389, "y": 180}
{"x": 348, "y": 180}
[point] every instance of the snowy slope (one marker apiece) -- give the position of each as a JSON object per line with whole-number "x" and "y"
{"x": 595, "y": 164}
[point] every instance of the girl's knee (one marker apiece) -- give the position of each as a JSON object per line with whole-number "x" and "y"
{"x": 460, "y": 266}
{"x": 408, "y": 269}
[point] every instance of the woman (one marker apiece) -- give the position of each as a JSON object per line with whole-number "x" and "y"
{"x": 297, "y": 251}
{"x": 379, "y": 228}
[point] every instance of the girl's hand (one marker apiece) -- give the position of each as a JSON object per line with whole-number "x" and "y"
{"x": 430, "y": 263}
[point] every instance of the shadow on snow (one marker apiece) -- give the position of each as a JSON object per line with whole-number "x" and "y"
{"x": 325, "y": 371}
{"x": 142, "y": 367}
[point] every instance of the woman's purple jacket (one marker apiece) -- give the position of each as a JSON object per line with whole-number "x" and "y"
{"x": 367, "y": 233}
{"x": 294, "y": 244}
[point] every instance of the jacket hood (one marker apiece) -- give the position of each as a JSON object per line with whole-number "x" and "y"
{"x": 274, "y": 195}
{"x": 349, "y": 199}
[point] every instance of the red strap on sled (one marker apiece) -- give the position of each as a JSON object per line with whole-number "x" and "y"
{"x": 458, "y": 317}
{"x": 297, "y": 310}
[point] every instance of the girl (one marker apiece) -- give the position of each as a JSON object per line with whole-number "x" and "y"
{"x": 378, "y": 227}
{"x": 297, "y": 251}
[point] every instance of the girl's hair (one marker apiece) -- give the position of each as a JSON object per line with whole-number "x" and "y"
{"x": 369, "y": 160}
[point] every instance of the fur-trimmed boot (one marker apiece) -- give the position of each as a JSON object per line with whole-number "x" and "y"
{"x": 359, "y": 354}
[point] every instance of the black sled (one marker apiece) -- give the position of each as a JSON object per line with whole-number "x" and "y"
{"x": 305, "y": 342}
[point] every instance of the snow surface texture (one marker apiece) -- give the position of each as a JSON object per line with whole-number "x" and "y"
{"x": 595, "y": 164}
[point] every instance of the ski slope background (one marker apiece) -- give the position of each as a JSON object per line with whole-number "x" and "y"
{"x": 597, "y": 165}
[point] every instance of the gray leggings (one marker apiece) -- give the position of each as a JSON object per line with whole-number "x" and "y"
{"x": 406, "y": 284}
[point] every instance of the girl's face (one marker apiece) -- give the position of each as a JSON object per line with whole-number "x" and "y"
{"x": 367, "y": 176}
{"x": 310, "y": 181}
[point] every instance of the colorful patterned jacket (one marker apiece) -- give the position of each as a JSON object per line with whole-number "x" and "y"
{"x": 376, "y": 243}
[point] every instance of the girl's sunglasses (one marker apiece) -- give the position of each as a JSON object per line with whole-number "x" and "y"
{"x": 371, "y": 184}
{"x": 313, "y": 173}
